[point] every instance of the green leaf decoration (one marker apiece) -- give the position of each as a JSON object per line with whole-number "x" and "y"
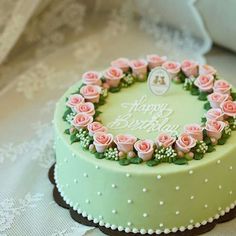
{"x": 99, "y": 155}
{"x": 207, "y": 106}
{"x": 194, "y": 90}
{"x": 66, "y": 113}
{"x": 97, "y": 113}
{"x": 198, "y": 156}
{"x": 204, "y": 120}
{"x": 115, "y": 90}
{"x": 203, "y": 96}
{"x": 211, "y": 148}
{"x": 222, "y": 141}
{"x": 67, "y": 131}
{"x": 180, "y": 161}
{"x": 206, "y": 139}
{"x": 124, "y": 162}
{"x": 152, "y": 162}
{"x": 136, "y": 160}
{"x": 181, "y": 76}
{"x": 74, "y": 138}
{"x": 233, "y": 95}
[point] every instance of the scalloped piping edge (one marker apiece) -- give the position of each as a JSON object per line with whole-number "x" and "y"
{"x": 135, "y": 230}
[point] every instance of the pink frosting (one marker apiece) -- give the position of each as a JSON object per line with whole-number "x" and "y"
{"x": 222, "y": 86}
{"x": 86, "y": 107}
{"x": 216, "y": 99}
{"x": 92, "y": 78}
{"x": 113, "y": 76}
{"x": 190, "y": 68}
{"x": 102, "y": 141}
{"x": 195, "y": 131}
{"x": 144, "y": 149}
{"x": 125, "y": 142}
{"x": 205, "y": 82}
{"x": 122, "y": 63}
{"x": 165, "y": 140}
{"x": 207, "y": 70}
{"x": 91, "y": 93}
{"x": 96, "y": 127}
{"x": 214, "y": 128}
{"x": 215, "y": 114}
{"x": 81, "y": 120}
{"x": 229, "y": 108}
{"x": 155, "y": 60}
{"x": 185, "y": 142}
{"x": 74, "y": 100}
{"x": 172, "y": 67}
{"x": 139, "y": 68}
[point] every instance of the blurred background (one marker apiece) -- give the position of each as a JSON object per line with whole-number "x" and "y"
{"x": 45, "y": 45}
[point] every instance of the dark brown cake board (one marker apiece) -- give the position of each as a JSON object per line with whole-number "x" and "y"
{"x": 83, "y": 220}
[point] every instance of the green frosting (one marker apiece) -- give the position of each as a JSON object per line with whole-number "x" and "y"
{"x": 137, "y": 196}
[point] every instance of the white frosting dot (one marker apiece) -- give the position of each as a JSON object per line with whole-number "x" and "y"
{"x": 120, "y": 228}
{"x": 150, "y": 231}
{"x": 177, "y": 212}
{"x": 97, "y": 167}
{"x": 114, "y": 211}
{"x": 159, "y": 177}
{"x": 220, "y": 187}
{"x": 161, "y": 224}
{"x": 127, "y": 230}
{"x": 231, "y": 167}
{"x": 99, "y": 193}
{"x": 129, "y": 201}
{"x": 206, "y": 206}
{"x": 66, "y": 160}
{"x": 219, "y": 208}
{"x": 100, "y": 217}
{"x": 218, "y": 161}
{"x": 182, "y": 228}
{"x": 190, "y": 172}
{"x": 191, "y": 221}
{"x": 129, "y": 223}
{"x": 145, "y": 215}
{"x": 144, "y": 190}
{"x": 158, "y": 231}
{"x": 161, "y": 203}
{"x": 135, "y": 231}
{"x": 143, "y": 231}
{"x": 177, "y": 188}
{"x": 192, "y": 197}
{"x": 166, "y": 231}
{"x": 128, "y": 175}
{"x": 230, "y": 192}
{"x": 85, "y": 175}
{"x": 113, "y": 227}
{"x": 75, "y": 181}
{"x": 87, "y": 201}
{"x": 206, "y": 180}
{"x": 113, "y": 186}
{"x": 73, "y": 154}
{"x": 67, "y": 185}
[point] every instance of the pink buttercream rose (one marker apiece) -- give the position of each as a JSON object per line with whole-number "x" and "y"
{"x": 122, "y": 63}
{"x": 81, "y": 120}
{"x": 172, "y": 67}
{"x": 96, "y": 127}
{"x": 215, "y": 114}
{"x": 207, "y": 70}
{"x": 86, "y": 107}
{"x": 165, "y": 140}
{"x": 222, "y": 86}
{"x": 139, "y": 68}
{"x": 205, "y": 82}
{"x": 92, "y": 78}
{"x": 113, "y": 76}
{"x": 102, "y": 141}
{"x": 195, "y": 131}
{"x": 229, "y": 108}
{"x": 216, "y": 99}
{"x": 74, "y": 100}
{"x": 125, "y": 142}
{"x": 190, "y": 68}
{"x": 155, "y": 60}
{"x": 91, "y": 93}
{"x": 185, "y": 142}
{"x": 215, "y": 128}
{"x": 144, "y": 149}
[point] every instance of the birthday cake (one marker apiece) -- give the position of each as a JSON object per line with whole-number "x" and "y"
{"x": 148, "y": 146}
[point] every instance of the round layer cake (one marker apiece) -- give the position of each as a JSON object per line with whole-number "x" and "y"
{"x": 139, "y": 162}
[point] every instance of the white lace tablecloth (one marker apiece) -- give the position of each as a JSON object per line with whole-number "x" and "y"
{"x": 26, "y": 110}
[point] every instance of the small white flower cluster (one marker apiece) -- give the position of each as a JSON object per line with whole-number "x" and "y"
{"x": 85, "y": 142}
{"x": 70, "y": 117}
{"x": 112, "y": 154}
{"x": 201, "y": 147}
{"x": 228, "y": 129}
{"x": 164, "y": 152}
{"x": 128, "y": 80}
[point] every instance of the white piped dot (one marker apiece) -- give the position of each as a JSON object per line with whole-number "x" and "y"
{"x": 150, "y": 231}
{"x": 161, "y": 224}
{"x": 182, "y": 228}
{"x": 161, "y": 203}
{"x": 87, "y": 201}
{"x": 114, "y": 211}
{"x": 113, "y": 186}
{"x": 143, "y": 231}
{"x": 159, "y": 177}
{"x": 230, "y": 192}
{"x": 206, "y": 180}
{"x": 73, "y": 154}
{"x": 192, "y": 197}
{"x": 231, "y": 167}
{"x": 220, "y": 187}
{"x": 191, "y": 221}
{"x": 67, "y": 185}
{"x": 144, "y": 190}
{"x": 129, "y": 201}
{"x": 97, "y": 167}
{"x": 177, "y": 212}
{"x": 127, "y": 230}
{"x": 135, "y": 231}
{"x": 120, "y": 228}
{"x": 177, "y": 188}
{"x": 100, "y": 217}
{"x": 166, "y": 231}
{"x": 129, "y": 223}
{"x": 128, "y": 175}
{"x": 145, "y": 215}
{"x": 190, "y": 172}
{"x": 174, "y": 230}
{"x": 158, "y": 231}
{"x": 85, "y": 175}
{"x": 66, "y": 160}
{"x": 218, "y": 161}
{"x": 219, "y": 208}
{"x": 75, "y": 181}
{"x": 113, "y": 227}
{"x": 99, "y": 193}
{"x": 206, "y": 206}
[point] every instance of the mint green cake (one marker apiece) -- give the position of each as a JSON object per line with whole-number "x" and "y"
{"x": 136, "y": 161}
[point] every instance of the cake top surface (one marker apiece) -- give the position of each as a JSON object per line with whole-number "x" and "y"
{"x": 154, "y": 111}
